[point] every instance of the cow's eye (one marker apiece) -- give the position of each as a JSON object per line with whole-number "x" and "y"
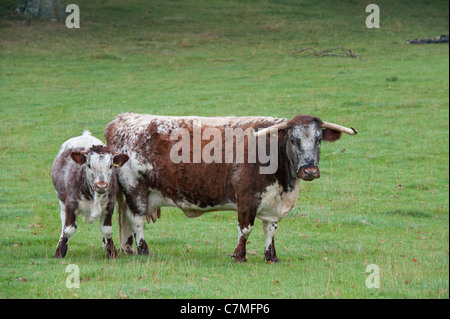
{"x": 292, "y": 141}
{"x": 111, "y": 166}
{"x": 89, "y": 166}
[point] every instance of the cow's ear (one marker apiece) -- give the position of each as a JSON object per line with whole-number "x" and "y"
{"x": 78, "y": 157}
{"x": 120, "y": 159}
{"x": 330, "y": 135}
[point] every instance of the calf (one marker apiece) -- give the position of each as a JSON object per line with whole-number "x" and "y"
{"x": 85, "y": 181}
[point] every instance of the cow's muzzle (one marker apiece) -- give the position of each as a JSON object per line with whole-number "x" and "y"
{"x": 101, "y": 187}
{"x": 308, "y": 173}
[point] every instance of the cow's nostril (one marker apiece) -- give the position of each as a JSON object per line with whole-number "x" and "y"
{"x": 308, "y": 173}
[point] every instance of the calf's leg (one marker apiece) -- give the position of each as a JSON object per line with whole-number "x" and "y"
{"x": 106, "y": 229}
{"x": 69, "y": 225}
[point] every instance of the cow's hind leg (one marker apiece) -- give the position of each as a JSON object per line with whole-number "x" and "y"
{"x": 136, "y": 210}
{"x": 270, "y": 228}
{"x": 137, "y": 222}
{"x": 69, "y": 225}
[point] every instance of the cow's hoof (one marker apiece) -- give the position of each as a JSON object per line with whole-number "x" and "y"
{"x": 111, "y": 252}
{"x": 127, "y": 247}
{"x": 143, "y": 251}
{"x": 142, "y": 248}
{"x": 128, "y": 251}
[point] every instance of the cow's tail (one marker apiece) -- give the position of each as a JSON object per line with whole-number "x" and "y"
{"x": 126, "y": 246}
{"x": 121, "y": 206}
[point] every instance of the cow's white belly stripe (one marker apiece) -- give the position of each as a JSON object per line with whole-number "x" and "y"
{"x": 275, "y": 203}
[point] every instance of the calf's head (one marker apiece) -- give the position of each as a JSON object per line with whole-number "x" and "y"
{"x": 303, "y": 137}
{"x": 100, "y": 164}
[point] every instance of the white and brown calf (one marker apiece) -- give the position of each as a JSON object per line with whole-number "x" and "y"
{"x": 85, "y": 181}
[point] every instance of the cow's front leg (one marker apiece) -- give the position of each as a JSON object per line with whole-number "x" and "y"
{"x": 240, "y": 251}
{"x": 246, "y": 220}
{"x": 270, "y": 228}
{"x": 69, "y": 225}
{"x": 137, "y": 222}
{"x": 106, "y": 229}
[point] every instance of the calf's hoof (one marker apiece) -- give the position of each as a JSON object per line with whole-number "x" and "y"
{"x": 272, "y": 260}
{"x": 61, "y": 250}
{"x": 240, "y": 259}
{"x": 59, "y": 255}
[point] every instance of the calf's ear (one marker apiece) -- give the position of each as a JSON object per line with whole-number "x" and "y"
{"x": 330, "y": 135}
{"x": 120, "y": 159}
{"x": 78, "y": 157}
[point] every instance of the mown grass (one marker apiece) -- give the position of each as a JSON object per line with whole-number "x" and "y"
{"x": 383, "y": 195}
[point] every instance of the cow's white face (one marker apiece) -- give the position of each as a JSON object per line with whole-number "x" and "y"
{"x": 303, "y": 149}
{"x": 100, "y": 164}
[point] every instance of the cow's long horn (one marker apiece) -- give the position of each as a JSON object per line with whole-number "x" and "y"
{"x": 339, "y": 128}
{"x": 266, "y": 131}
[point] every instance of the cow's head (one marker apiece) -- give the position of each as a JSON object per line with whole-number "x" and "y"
{"x": 100, "y": 164}
{"x": 303, "y": 137}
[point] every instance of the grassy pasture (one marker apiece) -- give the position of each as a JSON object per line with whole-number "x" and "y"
{"x": 383, "y": 195}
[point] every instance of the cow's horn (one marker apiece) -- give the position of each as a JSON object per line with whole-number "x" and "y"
{"x": 266, "y": 131}
{"x": 339, "y": 128}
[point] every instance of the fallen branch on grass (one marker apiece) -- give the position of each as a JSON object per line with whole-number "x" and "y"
{"x": 328, "y": 52}
{"x": 441, "y": 39}
{"x": 222, "y": 60}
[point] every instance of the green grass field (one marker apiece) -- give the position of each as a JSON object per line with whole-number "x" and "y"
{"x": 383, "y": 195}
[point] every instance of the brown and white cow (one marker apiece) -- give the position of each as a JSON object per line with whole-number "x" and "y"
{"x": 152, "y": 178}
{"x": 84, "y": 177}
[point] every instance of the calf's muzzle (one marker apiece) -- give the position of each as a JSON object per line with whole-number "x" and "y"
{"x": 101, "y": 187}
